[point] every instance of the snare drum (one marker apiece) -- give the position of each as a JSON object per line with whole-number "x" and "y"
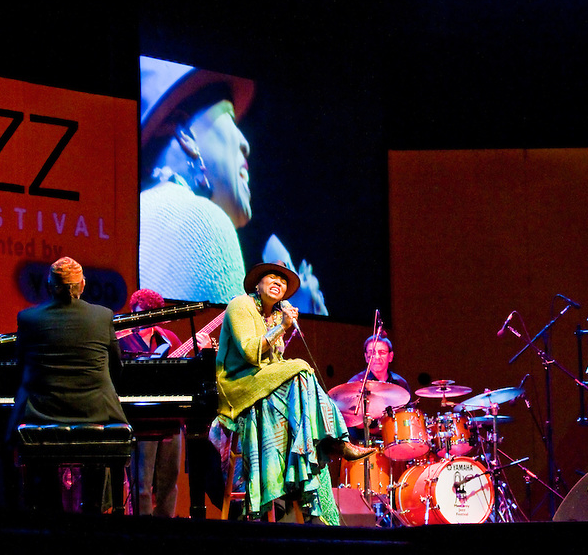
{"x": 453, "y": 429}
{"x": 405, "y": 435}
{"x": 352, "y": 473}
{"x": 454, "y": 491}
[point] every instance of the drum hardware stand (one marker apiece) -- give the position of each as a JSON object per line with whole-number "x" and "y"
{"x": 389, "y": 510}
{"x": 494, "y": 468}
{"x": 494, "y": 460}
{"x": 448, "y": 433}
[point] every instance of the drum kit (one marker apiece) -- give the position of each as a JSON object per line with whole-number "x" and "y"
{"x": 428, "y": 470}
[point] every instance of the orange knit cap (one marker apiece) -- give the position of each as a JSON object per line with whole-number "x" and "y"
{"x": 66, "y": 271}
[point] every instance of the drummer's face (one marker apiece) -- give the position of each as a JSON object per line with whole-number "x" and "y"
{"x": 380, "y": 355}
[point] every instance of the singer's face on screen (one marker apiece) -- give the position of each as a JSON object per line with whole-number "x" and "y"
{"x": 225, "y": 150}
{"x": 272, "y": 288}
{"x": 382, "y": 357}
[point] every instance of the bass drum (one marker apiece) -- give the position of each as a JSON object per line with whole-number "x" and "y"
{"x": 453, "y": 491}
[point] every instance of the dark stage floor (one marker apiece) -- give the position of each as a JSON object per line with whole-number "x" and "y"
{"x": 113, "y": 535}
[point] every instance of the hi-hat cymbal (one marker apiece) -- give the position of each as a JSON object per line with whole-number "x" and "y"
{"x": 378, "y": 394}
{"x": 488, "y": 398}
{"x": 488, "y": 419}
{"x": 443, "y": 388}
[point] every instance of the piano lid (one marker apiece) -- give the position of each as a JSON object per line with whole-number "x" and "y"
{"x": 140, "y": 319}
{"x": 157, "y": 315}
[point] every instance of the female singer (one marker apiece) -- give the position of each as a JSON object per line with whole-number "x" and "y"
{"x": 289, "y": 427}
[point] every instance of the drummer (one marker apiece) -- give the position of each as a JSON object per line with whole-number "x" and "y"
{"x": 381, "y": 353}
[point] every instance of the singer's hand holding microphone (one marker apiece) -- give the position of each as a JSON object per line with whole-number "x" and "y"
{"x": 290, "y": 315}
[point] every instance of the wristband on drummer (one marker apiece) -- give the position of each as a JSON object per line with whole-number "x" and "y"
{"x": 274, "y": 334}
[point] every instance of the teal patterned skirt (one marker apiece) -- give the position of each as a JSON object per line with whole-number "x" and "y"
{"x": 282, "y": 454}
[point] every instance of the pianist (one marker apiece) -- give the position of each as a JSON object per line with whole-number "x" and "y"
{"x": 158, "y": 453}
{"x": 289, "y": 427}
{"x": 66, "y": 350}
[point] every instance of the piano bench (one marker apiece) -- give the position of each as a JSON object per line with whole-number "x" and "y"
{"x": 105, "y": 445}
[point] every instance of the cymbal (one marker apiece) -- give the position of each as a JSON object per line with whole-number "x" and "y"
{"x": 353, "y": 420}
{"x": 488, "y": 398}
{"x": 488, "y": 419}
{"x": 443, "y": 388}
{"x": 379, "y": 395}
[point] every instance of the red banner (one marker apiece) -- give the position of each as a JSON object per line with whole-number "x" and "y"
{"x": 68, "y": 187}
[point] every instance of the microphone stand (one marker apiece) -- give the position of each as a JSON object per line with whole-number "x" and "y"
{"x": 582, "y": 420}
{"x": 529, "y": 343}
{"x": 367, "y": 486}
{"x": 530, "y": 474}
{"x": 363, "y": 400}
{"x": 496, "y": 469}
{"x": 548, "y": 363}
{"x": 362, "y": 391}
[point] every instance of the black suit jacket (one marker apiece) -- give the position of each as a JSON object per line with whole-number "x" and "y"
{"x": 68, "y": 354}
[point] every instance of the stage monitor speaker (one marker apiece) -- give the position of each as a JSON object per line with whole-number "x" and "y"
{"x": 575, "y": 505}
{"x": 353, "y": 508}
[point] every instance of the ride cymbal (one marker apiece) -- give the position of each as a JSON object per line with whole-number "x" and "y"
{"x": 488, "y": 398}
{"x": 379, "y": 395}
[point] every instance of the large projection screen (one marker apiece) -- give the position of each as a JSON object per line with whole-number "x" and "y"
{"x": 275, "y": 180}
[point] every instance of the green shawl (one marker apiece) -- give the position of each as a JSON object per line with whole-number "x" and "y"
{"x": 244, "y": 374}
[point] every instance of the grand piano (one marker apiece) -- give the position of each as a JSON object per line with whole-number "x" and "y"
{"x": 157, "y": 394}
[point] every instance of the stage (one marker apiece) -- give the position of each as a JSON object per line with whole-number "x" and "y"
{"x": 23, "y": 533}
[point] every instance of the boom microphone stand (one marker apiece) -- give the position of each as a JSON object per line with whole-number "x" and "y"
{"x": 363, "y": 402}
{"x": 547, "y": 362}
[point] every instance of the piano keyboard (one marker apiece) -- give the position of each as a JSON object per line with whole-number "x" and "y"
{"x": 137, "y": 399}
{"x": 132, "y": 399}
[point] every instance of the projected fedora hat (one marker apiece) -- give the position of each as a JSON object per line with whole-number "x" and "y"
{"x": 169, "y": 87}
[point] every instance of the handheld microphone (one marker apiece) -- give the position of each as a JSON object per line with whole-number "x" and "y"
{"x": 569, "y": 301}
{"x": 285, "y": 304}
{"x": 502, "y": 330}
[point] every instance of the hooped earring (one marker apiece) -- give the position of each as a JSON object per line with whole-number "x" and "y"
{"x": 200, "y": 184}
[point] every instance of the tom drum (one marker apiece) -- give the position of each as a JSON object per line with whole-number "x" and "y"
{"x": 352, "y": 473}
{"x": 405, "y": 434}
{"x": 452, "y": 429}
